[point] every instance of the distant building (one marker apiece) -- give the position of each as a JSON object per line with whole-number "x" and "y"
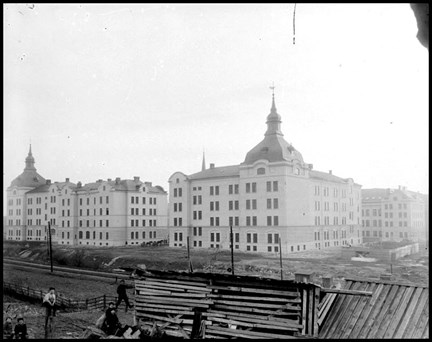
{"x": 273, "y": 194}
{"x": 393, "y": 215}
{"x": 104, "y": 213}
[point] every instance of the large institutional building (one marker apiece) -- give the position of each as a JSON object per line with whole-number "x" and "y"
{"x": 104, "y": 213}
{"x": 272, "y": 194}
{"x": 393, "y": 215}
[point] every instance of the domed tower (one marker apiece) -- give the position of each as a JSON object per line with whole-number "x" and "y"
{"x": 273, "y": 148}
{"x": 29, "y": 178}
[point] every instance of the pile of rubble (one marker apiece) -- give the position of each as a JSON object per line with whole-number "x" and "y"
{"x": 14, "y": 310}
{"x": 130, "y": 333}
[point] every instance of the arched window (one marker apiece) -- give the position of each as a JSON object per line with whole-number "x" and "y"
{"x": 94, "y": 235}
{"x": 80, "y": 235}
{"x": 87, "y": 235}
{"x": 100, "y": 236}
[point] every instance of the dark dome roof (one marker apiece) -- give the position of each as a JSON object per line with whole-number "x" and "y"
{"x": 273, "y": 148}
{"x": 29, "y": 178}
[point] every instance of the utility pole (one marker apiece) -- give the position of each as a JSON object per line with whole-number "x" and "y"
{"x": 188, "y": 251}
{"x": 50, "y": 245}
{"x": 232, "y": 251}
{"x": 280, "y": 257}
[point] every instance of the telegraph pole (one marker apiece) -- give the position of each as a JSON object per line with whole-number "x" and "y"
{"x": 188, "y": 251}
{"x": 50, "y": 245}
{"x": 232, "y": 251}
{"x": 280, "y": 257}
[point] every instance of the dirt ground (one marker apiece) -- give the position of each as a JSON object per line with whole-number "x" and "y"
{"x": 412, "y": 269}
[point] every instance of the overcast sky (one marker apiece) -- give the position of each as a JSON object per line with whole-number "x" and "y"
{"x": 105, "y": 91}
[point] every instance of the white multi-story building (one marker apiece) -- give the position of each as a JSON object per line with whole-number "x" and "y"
{"x": 104, "y": 213}
{"x": 273, "y": 194}
{"x": 393, "y": 215}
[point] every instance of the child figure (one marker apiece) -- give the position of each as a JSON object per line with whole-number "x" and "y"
{"x": 7, "y": 329}
{"x": 49, "y": 302}
{"x": 21, "y": 330}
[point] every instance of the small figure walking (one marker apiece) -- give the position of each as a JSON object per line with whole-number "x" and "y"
{"x": 122, "y": 295}
{"x": 8, "y": 329}
{"x": 21, "y": 329}
{"x": 49, "y": 302}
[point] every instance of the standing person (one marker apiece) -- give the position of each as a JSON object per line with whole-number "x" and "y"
{"x": 111, "y": 323}
{"x": 122, "y": 295}
{"x": 21, "y": 329}
{"x": 8, "y": 329}
{"x": 49, "y": 302}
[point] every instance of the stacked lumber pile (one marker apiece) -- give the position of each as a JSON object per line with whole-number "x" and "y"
{"x": 227, "y": 308}
{"x": 170, "y": 303}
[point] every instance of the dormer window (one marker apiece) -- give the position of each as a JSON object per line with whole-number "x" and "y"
{"x": 261, "y": 171}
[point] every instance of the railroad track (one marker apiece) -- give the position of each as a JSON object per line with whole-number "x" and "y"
{"x": 64, "y": 271}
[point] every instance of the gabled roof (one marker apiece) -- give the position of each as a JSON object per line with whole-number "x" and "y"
{"x": 393, "y": 311}
{"x": 39, "y": 189}
{"x": 122, "y": 185}
{"x": 368, "y": 194}
{"x": 217, "y": 172}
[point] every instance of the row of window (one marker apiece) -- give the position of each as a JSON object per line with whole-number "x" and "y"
{"x": 94, "y": 200}
{"x": 101, "y": 211}
{"x": 135, "y": 223}
{"x": 135, "y": 235}
{"x": 379, "y": 233}
{"x": 135, "y": 211}
{"x": 326, "y": 191}
{"x": 378, "y": 223}
{"x": 135, "y": 200}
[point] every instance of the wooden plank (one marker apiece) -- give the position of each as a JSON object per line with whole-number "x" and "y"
{"x": 355, "y": 316}
{"x": 333, "y": 314}
{"x": 417, "y": 313}
{"x": 407, "y": 314}
{"x": 304, "y": 312}
{"x": 254, "y": 290}
{"x": 256, "y": 315}
{"x": 172, "y": 281}
{"x": 348, "y": 292}
{"x": 244, "y": 333}
{"x": 371, "y": 303}
{"x": 252, "y": 325}
{"x": 426, "y": 330}
{"x": 287, "y": 323}
{"x": 249, "y": 298}
{"x": 165, "y": 319}
{"x": 382, "y": 320}
{"x": 272, "y": 306}
{"x": 309, "y": 329}
{"x": 168, "y": 311}
{"x": 176, "y": 287}
{"x": 174, "y": 294}
{"x": 166, "y": 306}
{"x": 351, "y": 307}
{"x": 247, "y": 309}
{"x": 424, "y": 319}
{"x": 176, "y": 300}
{"x": 323, "y": 313}
{"x": 315, "y": 311}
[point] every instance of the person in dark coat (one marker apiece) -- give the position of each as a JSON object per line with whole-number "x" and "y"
{"x": 111, "y": 323}
{"x": 8, "y": 329}
{"x": 122, "y": 295}
{"x": 21, "y": 330}
{"x": 111, "y": 306}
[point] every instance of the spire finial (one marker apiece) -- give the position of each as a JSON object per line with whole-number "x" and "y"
{"x": 273, "y": 108}
{"x": 30, "y": 151}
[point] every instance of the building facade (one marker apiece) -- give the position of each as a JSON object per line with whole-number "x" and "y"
{"x": 272, "y": 194}
{"x": 104, "y": 213}
{"x": 393, "y": 215}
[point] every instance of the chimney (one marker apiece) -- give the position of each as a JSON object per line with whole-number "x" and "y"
{"x": 303, "y": 277}
{"x": 99, "y": 181}
{"x": 79, "y": 184}
{"x": 117, "y": 180}
{"x": 327, "y": 282}
{"x": 109, "y": 179}
{"x": 148, "y": 183}
{"x": 330, "y": 172}
{"x": 48, "y": 181}
{"x": 212, "y": 165}
{"x": 67, "y": 180}
{"x": 136, "y": 179}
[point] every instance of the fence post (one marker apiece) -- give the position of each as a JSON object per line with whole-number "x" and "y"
{"x": 28, "y": 291}
{"x": 86, "y": 303}
{"x": 104, "y": 301}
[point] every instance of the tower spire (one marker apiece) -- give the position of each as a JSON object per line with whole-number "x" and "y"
{"x": 29, "y": 161}
{"x": 203, "y": 167}
{"x": 273, "y": 107}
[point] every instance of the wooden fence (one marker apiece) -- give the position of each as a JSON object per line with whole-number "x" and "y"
{"x": 68, "y": 304}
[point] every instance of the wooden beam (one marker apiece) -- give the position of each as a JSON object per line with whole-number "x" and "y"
{"x": 348, "y": 292}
